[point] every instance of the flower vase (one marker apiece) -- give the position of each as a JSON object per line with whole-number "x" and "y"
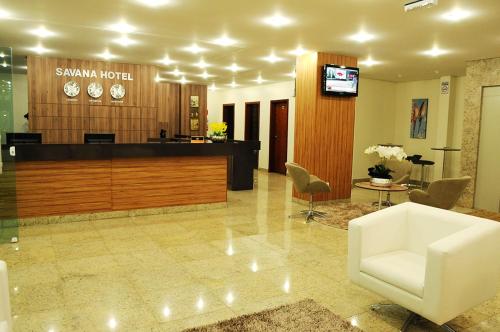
{"x": 218, "y": 138}
{"x": 379, "y": 182}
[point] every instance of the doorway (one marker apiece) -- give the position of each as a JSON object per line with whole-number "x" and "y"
{"x": 228, "y": 118}
{"x": 252, "y": 124}
{"x": 487, "y": 194}
{"x": 278, "y": 136}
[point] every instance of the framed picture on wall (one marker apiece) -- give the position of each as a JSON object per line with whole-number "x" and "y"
{"x": 418, "y": 118}
{"x": 194, "y": 101}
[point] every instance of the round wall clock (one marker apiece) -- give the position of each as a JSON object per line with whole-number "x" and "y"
{"x": 95, "y": 89}
{"x": 71, "y": 89}
{"x": 117, "y": 91}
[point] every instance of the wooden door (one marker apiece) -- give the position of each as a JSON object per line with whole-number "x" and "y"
{"x": 278, "y": 136}
{"x": 228, "y": 118}
{"x": 252, "y": 124}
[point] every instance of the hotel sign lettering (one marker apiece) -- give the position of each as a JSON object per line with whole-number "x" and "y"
{"x": 90, "y": 73}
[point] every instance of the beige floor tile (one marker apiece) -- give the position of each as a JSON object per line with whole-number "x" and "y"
{"x": 178, "y": 270}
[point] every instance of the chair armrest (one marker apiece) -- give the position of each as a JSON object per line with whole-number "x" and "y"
{"x": 462, "y": 271}
{"x": 420, "y": 197}
{"x": 376, "y": 233}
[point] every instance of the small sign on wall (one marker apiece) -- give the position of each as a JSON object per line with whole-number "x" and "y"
{"x": 445, "y": 88}
{"x": 194, "y": 113}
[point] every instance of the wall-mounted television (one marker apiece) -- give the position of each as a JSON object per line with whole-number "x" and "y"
{"x": 340, "y": 81}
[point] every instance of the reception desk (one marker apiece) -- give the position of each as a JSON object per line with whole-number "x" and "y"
{"x": 62, "y": 179}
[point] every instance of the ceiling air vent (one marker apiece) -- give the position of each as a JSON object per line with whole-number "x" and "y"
{"x": 420, "y": 4}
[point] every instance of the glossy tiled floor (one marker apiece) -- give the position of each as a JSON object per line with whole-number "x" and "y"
{"x": 166, "y": 273}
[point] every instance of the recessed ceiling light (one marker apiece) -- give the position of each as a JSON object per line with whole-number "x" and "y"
{"x": 106, "y": 55}
{"x": 233, "y": 84}
{"x": 176, "y": 72}
{"x": 167, "y": 61}
{"x": 272, "y": 58}
{"x": 183, "y": 80}
{"x": 4, "y": 13}
{"x": 234, "y": 67}
{"x": 292, "y": 74}
{"x": 277, "y": 20}
{"x": 4, "y": 64}
{"x": 362, "y": 37}
{"x": 154, "y": 3}
{"x": 2, "y": 55}
{"x": 205, "y": 75}
{"x": 158, "y": 78}
{"x": 39, "y": 49}
{"x": 435, "y": 52}
{"x": 122, "y": 27}
{"x": 212, "y": 87}
{"x": 202, "y": 64}
{"x": 194, "y": 48}
{"x": 42, "y": 32}
{"x": 369, "y": 62}
{"x": 456, "y": 15}
{"x": 260, "y": 80}
{"x": 124, "y": 41}
{"x": 224, "y": 40}
{"x": 298, "y": 51}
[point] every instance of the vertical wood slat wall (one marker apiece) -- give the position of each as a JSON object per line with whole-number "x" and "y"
{"x": 147, "y": 106}
{"x": 324, "y": 126}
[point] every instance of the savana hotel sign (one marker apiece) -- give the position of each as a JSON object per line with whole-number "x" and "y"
{"x": 91, "y": 73}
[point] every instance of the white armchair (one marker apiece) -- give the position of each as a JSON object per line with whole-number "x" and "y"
{"x": 435, "y": 263}
{"x": 5, "y": 315}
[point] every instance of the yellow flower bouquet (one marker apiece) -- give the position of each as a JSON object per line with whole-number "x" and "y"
{"x": 218, "y": 130}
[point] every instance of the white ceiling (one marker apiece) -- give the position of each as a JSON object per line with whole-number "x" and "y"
{"x": 82, "y": 31}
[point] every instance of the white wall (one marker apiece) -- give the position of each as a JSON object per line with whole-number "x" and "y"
{"x": 264, "y": 94}
{"x": 382, "y": 116}
{"x": 374, "y": 122}
{"x": 20, "y": 101}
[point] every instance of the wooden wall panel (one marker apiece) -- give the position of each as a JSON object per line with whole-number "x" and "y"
{"x": 324, "y": 126}
{"x": 186, "y": 92}
{"x": 168, "y": 100}
{"x": 63, "y": 187}
{"x": 146, "y": 107}
{"x": 157, "y": 182}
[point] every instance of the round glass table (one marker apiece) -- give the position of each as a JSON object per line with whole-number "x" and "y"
{"x": 369, "y": 186}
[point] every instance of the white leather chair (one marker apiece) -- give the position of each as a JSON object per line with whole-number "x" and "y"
{"x": 5, "y": 315}
{"x": 435, "y": 263}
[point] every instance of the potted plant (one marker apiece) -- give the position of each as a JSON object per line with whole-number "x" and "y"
{"x": 218, "y": 130}
{"x": 380, "y": 174}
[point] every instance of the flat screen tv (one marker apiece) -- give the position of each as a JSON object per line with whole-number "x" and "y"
{"x": 340, "y": 81}
{"x": 23, "y": 138}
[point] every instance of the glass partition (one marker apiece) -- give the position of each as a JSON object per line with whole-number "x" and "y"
{"x": 8, "y": 210}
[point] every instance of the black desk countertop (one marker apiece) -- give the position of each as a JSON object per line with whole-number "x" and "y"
{"x": 57, "y": 152}
{"x": 240, "y": 153}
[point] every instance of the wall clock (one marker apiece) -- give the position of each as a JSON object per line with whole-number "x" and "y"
{"x": 71, "y": 89}
{"x": 117, "y": 91}
{"x": 95, "y": 89}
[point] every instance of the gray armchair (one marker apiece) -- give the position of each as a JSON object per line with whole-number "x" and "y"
{"x": 442, "y": 194}
{"x": 307, "y": 183}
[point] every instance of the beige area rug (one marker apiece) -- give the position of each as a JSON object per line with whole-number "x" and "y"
{"x": 340, "y": 213}
{"x": 302, "y": 316}
{"x": 485, "y": 214}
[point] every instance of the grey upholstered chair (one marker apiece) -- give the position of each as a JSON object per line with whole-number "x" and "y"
{"x": 442, "y": 194}
{"x": 310, "y": 184}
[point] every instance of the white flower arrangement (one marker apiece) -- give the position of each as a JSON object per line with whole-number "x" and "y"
{"x": 387, "y": 152}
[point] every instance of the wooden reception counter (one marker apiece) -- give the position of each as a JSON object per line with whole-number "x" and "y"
{"x": 62, "y": 179}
